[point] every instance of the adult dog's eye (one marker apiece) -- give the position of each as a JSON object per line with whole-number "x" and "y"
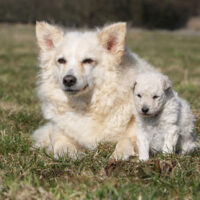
{"x": 62, "y": 61}
{"x": 87, "y": 61}
{"x": 155, "y": 97}
{"x": 139, "y": 95}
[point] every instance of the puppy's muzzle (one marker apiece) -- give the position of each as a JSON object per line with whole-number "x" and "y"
{"x": 145, "y": 110}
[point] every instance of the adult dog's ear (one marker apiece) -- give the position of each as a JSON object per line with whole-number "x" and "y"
{"x": 113, "y": 38}
{"x": 48, "y": 36}
{"x": 167, "y": 85}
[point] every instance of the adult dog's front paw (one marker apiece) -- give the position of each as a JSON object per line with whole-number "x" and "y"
{"x": 124, "y": 150}
{"x": 41, "y": 137}
{"x": 63, "y": 148}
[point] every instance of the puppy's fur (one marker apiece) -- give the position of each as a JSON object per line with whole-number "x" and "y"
{"x": 164, "y": 122}
{"x": 98, "y": 107}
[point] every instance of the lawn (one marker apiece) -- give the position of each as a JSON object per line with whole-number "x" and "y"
{"x": 33, "y": 174}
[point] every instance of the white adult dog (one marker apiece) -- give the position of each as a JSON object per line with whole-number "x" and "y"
{"x": 82, "y": 85}
{"x": 164, "y": 122}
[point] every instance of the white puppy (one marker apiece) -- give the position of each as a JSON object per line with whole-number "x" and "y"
{"x": 164, "y": 122}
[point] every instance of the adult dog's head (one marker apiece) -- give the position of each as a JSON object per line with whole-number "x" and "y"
{"x": 79, "y": 60}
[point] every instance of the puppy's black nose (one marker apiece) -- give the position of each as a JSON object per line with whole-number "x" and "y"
{"x": 145, "y": 110}
{"x": 69, "y": 80}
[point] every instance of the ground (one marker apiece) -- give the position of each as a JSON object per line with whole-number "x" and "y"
{"x": 33, "y": 174}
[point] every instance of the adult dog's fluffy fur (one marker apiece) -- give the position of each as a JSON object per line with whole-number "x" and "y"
{"x": 83, "y": 85}
{"x": 164, "y": 121}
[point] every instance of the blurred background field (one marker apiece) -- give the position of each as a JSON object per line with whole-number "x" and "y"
{"x": 165, "y": 33}
{"x": 154, "y": 14}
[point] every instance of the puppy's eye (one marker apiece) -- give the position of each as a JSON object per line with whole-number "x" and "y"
{"x": 87, "y": 61}
{"x": 62, "y": 61}
{"x": 139, "y": 95}
{"x": 155, "y": 97}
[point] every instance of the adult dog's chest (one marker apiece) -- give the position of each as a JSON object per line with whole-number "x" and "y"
{"x": 88, "y": 131}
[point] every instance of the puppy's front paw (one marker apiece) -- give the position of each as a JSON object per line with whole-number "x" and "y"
{"x": 63, "y": 148}
{"x": 123, "y": 151}
{"x": 143, "y": 158}
{"x": 167, "y": 149}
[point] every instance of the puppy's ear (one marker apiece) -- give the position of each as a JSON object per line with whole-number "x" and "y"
{"x": 113, "y": 38}
{"x": 47, "y": 36}
{"x": 167, "y": 85}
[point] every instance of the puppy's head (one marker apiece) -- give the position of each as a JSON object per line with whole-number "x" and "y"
{"x": 150, "y": 93}
{"x": 78, "y": 58}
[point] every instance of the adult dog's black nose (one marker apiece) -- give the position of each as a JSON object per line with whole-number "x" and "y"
{"x": 145, "y": 109}
{"x": 69, "y": 80}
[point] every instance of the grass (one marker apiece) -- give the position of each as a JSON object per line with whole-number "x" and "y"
{"x": 33, "y": 174}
